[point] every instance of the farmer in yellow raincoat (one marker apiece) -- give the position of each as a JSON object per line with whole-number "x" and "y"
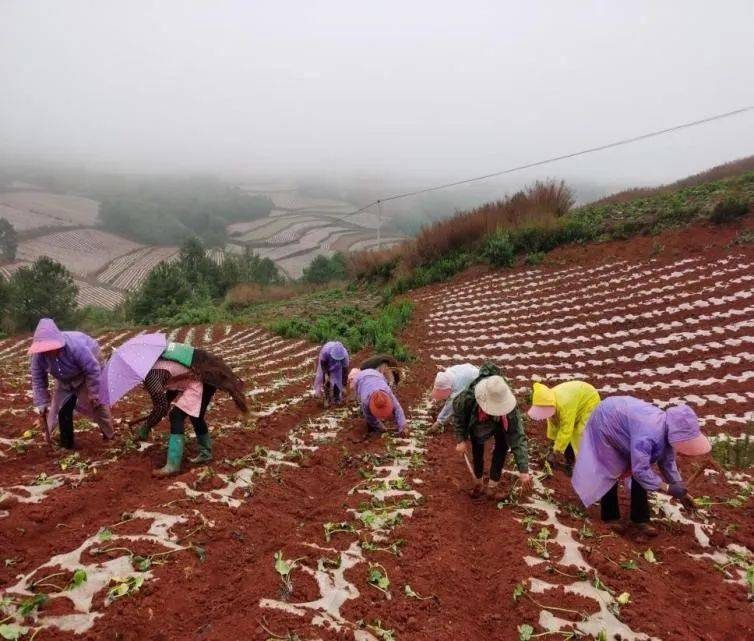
{"x": 567, "y": 407}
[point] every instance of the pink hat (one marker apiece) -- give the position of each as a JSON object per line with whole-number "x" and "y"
{"x": 684, "y": 433}
{"x": 695, "y": 447}
{"x": 443, "y": 385}
{"x": 352, "y": 375}
{"x": 541, "y": 412}
{"x": 47, "y": 337}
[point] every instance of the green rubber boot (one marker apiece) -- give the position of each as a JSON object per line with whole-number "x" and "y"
{"x": 175, "y": 455}
{"x": 143, "y": 433}
{"x": 205, "y": 449}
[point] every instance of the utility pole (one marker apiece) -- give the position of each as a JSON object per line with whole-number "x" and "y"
{"x": 379, "y": 224}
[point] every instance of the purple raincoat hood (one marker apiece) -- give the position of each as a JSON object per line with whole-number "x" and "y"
{"x": 682, "y": 423}
{"x": 47, "y": 337}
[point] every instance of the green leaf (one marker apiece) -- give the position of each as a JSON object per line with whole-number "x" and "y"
{"x": 377, "y": 578}
{"x": 624, "y": 598}
{"x": 649, "y": 556}
{"x": 409, "y": 591}
{"x": 105, "y": 535}
{"x": 141, "y": 563}
{"x": 29, "y": 605}
{"x": 543, "y": 534}
{"x": 519, "y": 591}
{"x": 199, "y": 552}
{"x": 12, "y": 631}
{"x": 281, "y": 566}
{"x": 525, "y": 632}
{"x": 78, "y": 578}
{"x": 602, "y": 636}
{"x": 629, "y": 565}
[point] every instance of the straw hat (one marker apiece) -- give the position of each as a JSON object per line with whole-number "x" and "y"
{"x": 494, "y": 396}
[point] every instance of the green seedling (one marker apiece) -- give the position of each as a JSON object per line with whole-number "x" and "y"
{"x": 649, "y": 556}
{"x": 528, "y": 523}
{"x": 525, "y": 632}
{"x": 519, "y": 591}
{"x": 380, "y": 632}
{"x": 13, "y": 631}
{"x": 124, "y": 585}
{"x": 629, "y": 565}
{"x": 105, "y": 535}
{"x": 585, "y": 532}
{"x": 285, "y": 569}
{"x": 43, "y": 479}
{"x": 333, "y": 528}
{"x": 539, "y": 544}
{"x": 412, "y": 594}
{"x": 378, "y": 578}
{"x": 78, "y": 579}
{"x": 31, "y": 604}
{"x": 624, "y": 598}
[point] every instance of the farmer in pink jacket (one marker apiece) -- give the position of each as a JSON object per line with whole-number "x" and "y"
{"x": 378, "y": 403}
{"x": 74, "y": 360}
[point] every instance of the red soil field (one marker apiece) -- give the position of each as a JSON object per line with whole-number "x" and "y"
{"x": 666, "y": 325}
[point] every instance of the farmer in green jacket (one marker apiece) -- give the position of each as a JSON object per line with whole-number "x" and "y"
{"x": 487, "y": 409}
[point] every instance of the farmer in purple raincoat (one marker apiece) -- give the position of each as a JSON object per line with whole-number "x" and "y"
{"x": 624, "y": 437}
{"x": 74, "y": 360}
{"x": 332, "y": 372}
{"x": 378, "y": 403}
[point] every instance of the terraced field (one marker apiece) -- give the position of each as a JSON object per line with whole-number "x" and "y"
{"x": 322, "y": 535}
{"x": 27, "y": 210}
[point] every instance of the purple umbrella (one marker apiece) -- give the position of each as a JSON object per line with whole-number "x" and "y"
{"x": 129, "y": 365}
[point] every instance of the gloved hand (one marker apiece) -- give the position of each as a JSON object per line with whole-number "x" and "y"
{"x": 676, "y": 490}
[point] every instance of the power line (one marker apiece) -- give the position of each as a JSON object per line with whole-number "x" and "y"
{"x": 539, "y": 163}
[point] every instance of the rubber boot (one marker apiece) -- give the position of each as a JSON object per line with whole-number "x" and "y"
{"x": 175, "y": 455}
{"x": 205, "y": 449}
{"x": 143, "y": 433}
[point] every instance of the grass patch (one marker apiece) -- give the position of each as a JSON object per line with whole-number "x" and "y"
{"x": 353, "y": 326}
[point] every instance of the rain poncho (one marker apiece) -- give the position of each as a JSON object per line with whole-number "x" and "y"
{"x": 337, "y": 369}
{"x": 77, "y": 370}
{"x": 462, "y": 375}
{"x": 366, "y": 383}
{"x": 574, "y": 403}
{"x": 625, "y": 436}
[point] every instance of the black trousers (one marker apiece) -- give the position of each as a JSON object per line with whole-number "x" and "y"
{"x": 498, "y": 455}
{"x": 610, "y": 510}
{"x": 178, "y": 416}
{"x": 65, "y": 422}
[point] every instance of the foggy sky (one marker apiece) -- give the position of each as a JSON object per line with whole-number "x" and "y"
{"x": 418, "y": 89}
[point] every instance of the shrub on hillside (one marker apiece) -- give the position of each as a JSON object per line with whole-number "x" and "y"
{"x": 324, "y": 270}
{"x": 354, "y": 327}
{"x": 729, "y": 210}
{"x": 541, "y": 204}
{"x": 44, "y": 289}
{"x": 534, "y": 259}
{"x": 498, "y": 249}
{"x": 8, "y": 240}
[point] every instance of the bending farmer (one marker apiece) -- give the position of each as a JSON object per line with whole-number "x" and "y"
{"x": 567, "y": 407}
{"x": 624, "y": 437}
{"x": 449, "y": 383}
{"x": 332, "y": 373}
{"x": 74, "y": 360}
{"x": 378, "y": 403}
{"x": 487, "y": 409}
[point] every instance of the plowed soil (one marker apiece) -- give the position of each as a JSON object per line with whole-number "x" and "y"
{"x": 668, "y": 325}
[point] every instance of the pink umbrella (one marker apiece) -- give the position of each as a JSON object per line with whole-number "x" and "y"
{"x": 129, "y": 365}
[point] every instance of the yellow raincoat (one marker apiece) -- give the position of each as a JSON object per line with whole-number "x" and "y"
{"x": 574, "y": 403}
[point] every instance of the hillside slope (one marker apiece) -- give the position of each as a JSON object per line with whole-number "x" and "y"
{"x": 367, "y": 519}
